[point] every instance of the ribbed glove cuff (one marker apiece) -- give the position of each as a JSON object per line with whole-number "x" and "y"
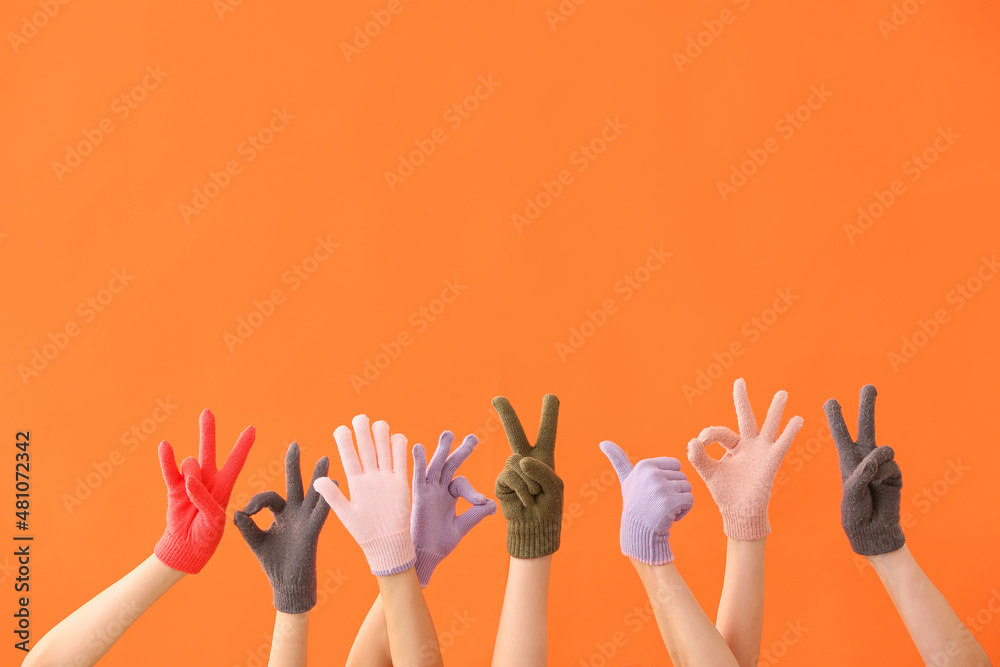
{"x": 179, "y": 553}
{"x": 390, "y": 554}
{"x": 873, "y": 540}
{"x": 294, "y": 599}
{"x": 532, "y": 539}
{"x": 745, "y": 525}
{"x": 643, "y": 544}
{"x": 426, "y": 562}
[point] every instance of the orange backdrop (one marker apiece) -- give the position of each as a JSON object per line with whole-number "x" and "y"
{"x": 291, "y": 214}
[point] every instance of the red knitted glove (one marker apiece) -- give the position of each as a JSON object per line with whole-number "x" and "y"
{"x": 197, "y": 496}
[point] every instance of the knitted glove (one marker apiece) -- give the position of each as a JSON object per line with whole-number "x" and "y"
{"x": 197, "y": 496}
{"x": 740, "y": 482}
{"x": 435, "y": 527}
{"x": 378, "y": 514}
{"x": 287, "y": 549}
{"x": 869, "y": 507}
{"x": 655, "y": 494}
{"x": 529, "y": 491}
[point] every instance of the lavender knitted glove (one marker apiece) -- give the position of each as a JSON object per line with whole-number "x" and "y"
{"x": 655, "y": 494}
{"x": 435, "y": 527}
{"x": 740, "y": 482}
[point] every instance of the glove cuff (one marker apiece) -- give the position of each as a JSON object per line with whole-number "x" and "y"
{"x": 742, "y": 524}
{"x": 642, "y": 543}
{"x": 294, "y": 599}
{"x": 426, "y": 562}
{"x": 390, "y": 554}
{"x": 532, "y": 539}
{"x": 180, "y": 554}
{"x": 874, "y": 540}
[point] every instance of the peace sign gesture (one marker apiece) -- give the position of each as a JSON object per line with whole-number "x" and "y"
{"x": 869, "y": 507}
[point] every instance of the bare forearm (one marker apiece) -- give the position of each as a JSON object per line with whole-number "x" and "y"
{"x": 741, "y": 607}
{"x": 689, "y": 635}
{"x": 412, "y": 640}
{"x": 290, "y": 640}
{"x": 84, "y": 636}
{"x": 939, "y": 636}
{"x": 371, "y": 645}
{"x": 522, "y": 638}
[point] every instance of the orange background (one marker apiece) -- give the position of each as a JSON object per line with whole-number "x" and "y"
{"x": 656, "y": 184}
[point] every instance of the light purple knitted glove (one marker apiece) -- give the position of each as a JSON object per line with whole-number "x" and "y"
{"x": 435, "y": 528}
{"x": 655, "y": 494}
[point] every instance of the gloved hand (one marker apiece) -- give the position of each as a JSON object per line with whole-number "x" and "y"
{"x": 197, "y": 496}
{"x": 529, "y": 491}
{"x": 378, "y": 514}
{"x": 435, "y": 527}
{"x": 740, "y": 482}
{"x": 655, "y": 494}
{"x": 287, "y": 549}
{"x": 869, "y": 507}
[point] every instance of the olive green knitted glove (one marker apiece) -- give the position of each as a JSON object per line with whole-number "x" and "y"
{"x": 529, "y": 491}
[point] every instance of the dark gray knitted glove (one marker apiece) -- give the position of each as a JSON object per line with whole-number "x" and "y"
{"x": 869, "y": 507}
{"x": 287, "y": 549}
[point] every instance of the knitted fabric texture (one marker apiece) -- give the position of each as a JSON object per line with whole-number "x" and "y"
{"x": 287, "y": 549}
{"x": 655, "y": 494}
{"x": 434, "y": 525}
{"x": 872, "y": 481}
{"x": 378, "y": 513}
{"x": 197, "y": 496}
{"x": 528, "y": 489}
{"x": 740, "y": 482}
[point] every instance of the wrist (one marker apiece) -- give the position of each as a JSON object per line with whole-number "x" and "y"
{"x": 876, "y": 540}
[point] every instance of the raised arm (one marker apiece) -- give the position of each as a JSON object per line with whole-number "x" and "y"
{"x": 869, "y": 511}
{"x": 740, "y": 483}
{"x": 287, "y": 553}
{"x": 436, "y": 531}
{"x": 655, "y": 494}
{"x": 378, "y": 517}
{"x": 197, "y": 495}
{"x": 531, "y": 496}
